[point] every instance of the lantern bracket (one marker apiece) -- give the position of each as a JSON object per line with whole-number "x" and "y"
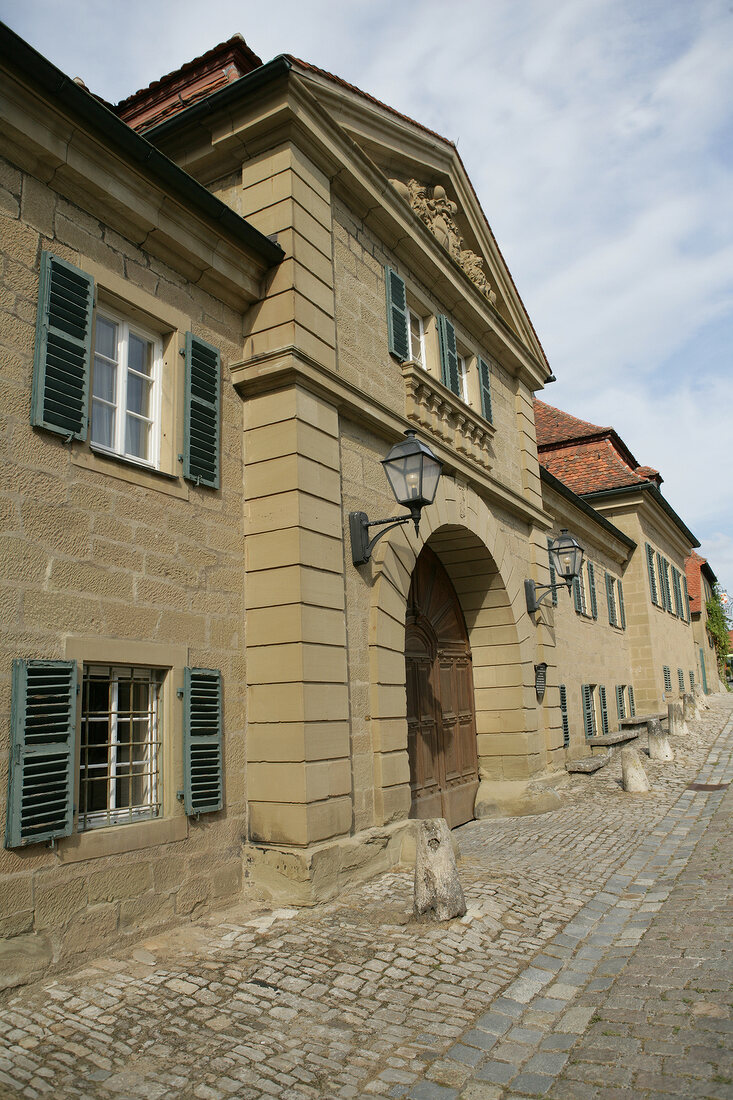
{"x": 359, "y": 524}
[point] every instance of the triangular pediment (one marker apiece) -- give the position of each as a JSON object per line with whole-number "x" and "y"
{"x": 426, "y": 171}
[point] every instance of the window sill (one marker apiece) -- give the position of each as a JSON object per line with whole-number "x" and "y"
{"x": 118, "y": 839}
{"x": 127, "y": 469}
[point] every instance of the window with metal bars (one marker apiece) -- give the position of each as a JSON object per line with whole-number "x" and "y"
{"x": 119, "y": 766}
{"x": 681, "y": 679}
{"x": 667, "y": 673}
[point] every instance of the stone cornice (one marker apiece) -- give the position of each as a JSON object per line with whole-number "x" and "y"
{"x": 290, "y": 367}
{"x": 56, "y": 147}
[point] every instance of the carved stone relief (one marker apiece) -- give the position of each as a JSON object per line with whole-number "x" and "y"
{"x": 439, "y": 214}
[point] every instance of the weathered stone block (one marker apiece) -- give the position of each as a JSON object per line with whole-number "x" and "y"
{"x": 659, "y": 746}
{"x": 438, "y": 894}
{"x": 633, "y": 775}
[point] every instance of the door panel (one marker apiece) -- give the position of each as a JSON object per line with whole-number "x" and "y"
{"x": 440, "y": 712}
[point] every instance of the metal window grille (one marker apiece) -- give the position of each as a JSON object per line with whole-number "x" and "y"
{"x": 667, "y": 678}
{"x": 119, "y": 779}
{"x": 681, "y": 679}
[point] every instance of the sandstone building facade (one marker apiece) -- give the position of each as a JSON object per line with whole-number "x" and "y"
{"x": 223, "y": 301}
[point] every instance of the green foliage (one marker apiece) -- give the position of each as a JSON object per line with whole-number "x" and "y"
{"x": 717, "y": 627}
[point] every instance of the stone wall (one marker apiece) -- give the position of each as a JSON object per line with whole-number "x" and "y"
{"x": 104, "y": 561}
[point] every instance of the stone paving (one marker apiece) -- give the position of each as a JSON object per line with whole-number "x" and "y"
{"x": 596, "y": 936}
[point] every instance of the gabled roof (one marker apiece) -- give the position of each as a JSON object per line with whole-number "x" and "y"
{"x": 593, "y": 460}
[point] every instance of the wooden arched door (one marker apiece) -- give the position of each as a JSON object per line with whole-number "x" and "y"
{"x": 441, "y": 725}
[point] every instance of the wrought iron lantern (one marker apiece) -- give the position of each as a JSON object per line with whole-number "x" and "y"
{"x": 413, "y": 473}
{"x": 566, "y": 558}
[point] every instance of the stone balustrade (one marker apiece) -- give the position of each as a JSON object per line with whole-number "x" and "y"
{"x": 429, "y": 405}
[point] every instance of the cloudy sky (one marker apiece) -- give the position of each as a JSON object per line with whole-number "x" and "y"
{"x": 599, "y": 138}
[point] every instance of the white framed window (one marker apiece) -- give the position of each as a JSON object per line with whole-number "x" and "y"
{"x": 126, "y": 389}
{"x": 119, "y": 763}
{"x": 416, "y": 335}
{"x": 463, "y": 372}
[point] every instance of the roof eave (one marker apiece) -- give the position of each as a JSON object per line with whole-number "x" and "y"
{"x": 39, "y": 73}
{"x": 647, "y": 487}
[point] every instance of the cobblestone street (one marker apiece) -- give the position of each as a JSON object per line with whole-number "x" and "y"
{"x": 594, "y": 961}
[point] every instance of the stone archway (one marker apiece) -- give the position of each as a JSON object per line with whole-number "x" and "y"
{"x": 487, "y": 570}
{"x": 441, "y": 725}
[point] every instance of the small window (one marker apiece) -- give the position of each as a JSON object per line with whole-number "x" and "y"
{"x": 681, "y": 679}
{"x": 632, "y": 704}
{"x": 416, "y": 337}
{"x": 125, "y": 389}
{"x": 463, "y": 376}
{"x": 692, "y": 680}
{"x": 667, "y": 677}
{"x": 119, "y": 773}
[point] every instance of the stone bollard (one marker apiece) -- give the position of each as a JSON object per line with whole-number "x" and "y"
{"x": 677, "y": 724}
{"x": 688, "y": 706}
{"x": 438, "y": 891}
{"x": 633, "y": 775}
{"x": 659, "y": 747}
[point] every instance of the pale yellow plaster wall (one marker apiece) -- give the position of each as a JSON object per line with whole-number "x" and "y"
{"x": 587, "y": 651}
{"x": 657, "y": 637}
{"x": 101, "y": 561}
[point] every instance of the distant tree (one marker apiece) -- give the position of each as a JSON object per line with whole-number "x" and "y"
{"x": 718, "y": 627}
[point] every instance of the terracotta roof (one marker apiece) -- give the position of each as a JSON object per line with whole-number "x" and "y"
{"x": 592, "y": 466}
{"x": 555, "y": 426}
{"x": 193, "y": 81}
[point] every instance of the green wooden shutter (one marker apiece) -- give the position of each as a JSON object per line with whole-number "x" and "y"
{"x": 611, "y": 600}
{"x": 679, "y": 606}
{"x": 632, "y": 704}
{"x": 588, "y": 716}
{"x": 604, "y": 709}
{"x": 652, "y": 578}
{"x": 448, "y": 355}
{"x": 703, "y": 673}
{"x": 42, "y": 752}
{"x": 667, "y": 677}
{"x": 592, "y": 588}
{"x": 663, "y": 568}
{"x": 577, "y": 598}
{"x": 202, "y": 426}
{"x": 620, "y": 709}
{"x": 553, "y": 577}
{"x": 564, "y": 716}
{"x": 484, "y": 377}
{"x": 60, "y": 394}
{"x": 397, "y": 318}
{"x": 203, "y": 772}
{"x": 687, "y": 600}
{"x": 621, "y": 608}
{"x": 681, "y": 679}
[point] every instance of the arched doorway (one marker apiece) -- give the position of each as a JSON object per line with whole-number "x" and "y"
{"x": 441, "y": 725}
